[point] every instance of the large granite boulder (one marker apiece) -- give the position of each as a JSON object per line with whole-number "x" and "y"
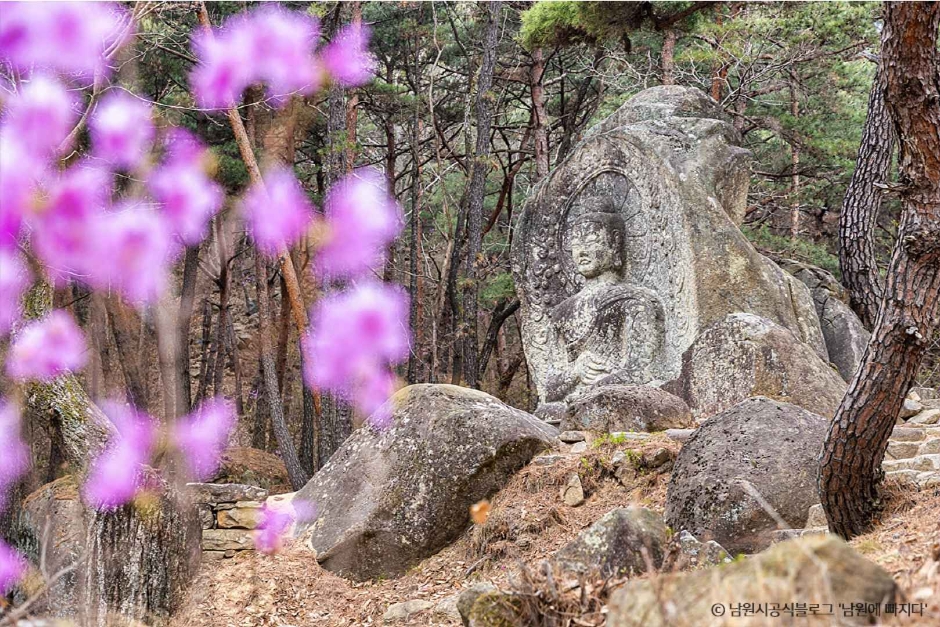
{"x": 612, "y": 408}
{"x": 614, "y": 546}
{"x": 631, "y": 247}
{"x": 820, "y": 570}
{"x": 757, "y": 455}
{"x": 744, "y": 355}
{"x": 389, "y": 498}
{"x": 846, "y": 338}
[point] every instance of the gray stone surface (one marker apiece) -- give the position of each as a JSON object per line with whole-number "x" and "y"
{"x": 614, "y": 545}
{"x": 612, "y": 408}
{"x": 570, "y": 437}
{"x": 630, "y": 248}
{"x": 572, "y": 493}
{"x": 214, "y": 493}
{"x": 688, "y": 553}
{"x": 227, "y": 540}
{"x": 389, "y": 498}
{"x": 469, "y": 596}
{"x": 910, "y": 408}
{"x": 759, "y": 447}
{"x": 816, "y": 569}
{"x": 743, "y": 356}
{"x": 402, "y": 612}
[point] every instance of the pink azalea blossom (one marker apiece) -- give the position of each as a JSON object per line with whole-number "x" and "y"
{"x": 64, "y": 234}
{"x": 347, "y": 57}
{"x": 19, "y": 171}
{"x": 355, "y": 337}
{"x": 283, "y": 43}
{"x": 47, "y": 348}
{"x": 202, "y": 435}
{"x": 225, "y": 67}
{"x": 70, "y": 37}
{"x": 12, "y": 567}
{"x": 278, "y": 214}
{"x": 272, "y": 529}
{"x": 363, "y": 219}
{"x": 41, "y": 115}
{"x": 14, "y": 279}
{"x": 187, "y": 195}
{"x": 121, "y": 130}
{"x": 15, "y": 458}
{"x": 132, "y": 254}
{"x": 115, "y": 476}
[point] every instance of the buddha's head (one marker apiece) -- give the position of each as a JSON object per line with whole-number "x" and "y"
{"x": 597, "y": 237}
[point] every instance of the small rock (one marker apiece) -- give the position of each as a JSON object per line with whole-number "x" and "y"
{"x": 614, "y": 546}
{"x": 226, "y": 539}
{"x": 208, "y": 556}
{"x": 205, "y": 515}
{"x": 629, "y": 435}
{"x": 225, "y": 492}
{"x": 908, "y": 434}
{"x": 578, "y": 448}
{"x": 618, "y": 459}
{"x": 240, "y": 518}
{"x": 398, "y": 612}
{"x": 924, "y": 394}
{"x": 914, "y": 395}
{"x": 929, "y": 447}
{"x": 910, "y": 408}
{"x": 928, "y": 417}
{"x": 658, "y": 458}
{"x": 782, "y": 535}
{"x": 572, "y": 493}
{"x": 816, "y": 517}
{"x": 547, "y": 460}
{"x": 570, "y": 437}
{"x": 447, "y": 608}
{"x": 679, "y": 435}
{"x": 696, "y": 554}
{"x": 468, "y": 597}
{"x": 903, "y": 450}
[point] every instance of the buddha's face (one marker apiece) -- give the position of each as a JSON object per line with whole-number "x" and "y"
{"x": 595, "y": 250}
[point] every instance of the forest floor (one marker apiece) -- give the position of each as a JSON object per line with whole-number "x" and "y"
{"x": 527, "y": 523}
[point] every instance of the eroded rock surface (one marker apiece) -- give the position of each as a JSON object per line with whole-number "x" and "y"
{"x": 743, "y": 356}
{"x": 759, "y": 454}
{"x": 388, "y": 498}
{"x": 614, "y": 408}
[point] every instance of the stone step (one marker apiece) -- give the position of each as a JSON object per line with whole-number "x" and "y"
{"x": 816, "y": 517}
{"x": 902, "y": 450}
{"x": 908, "y": 434}
{"x": 919, "y": 463}
{"x": 918, "y": 480}
{"x": 929, "y": 447}
{"x": 927, "y": 417}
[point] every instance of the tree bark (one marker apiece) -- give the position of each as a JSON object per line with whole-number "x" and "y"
{"x": 475, "y": 195}
{"x": 794, "y": 163}
{"x": 850, "y": 467}
{"x": 128, "y": 355}
{"x": 668, "y": 57}
{"x": 183, "y": 320}
{"x": 539, "y": 116}
{"x": 859, "y": 216}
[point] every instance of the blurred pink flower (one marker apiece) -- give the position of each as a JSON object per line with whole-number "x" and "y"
{"x": 19, "y": 170}
{"x": 272, "y": 529}
{"x": 187, "y": 195}
{"x": 41, "y": 115}
{"x": 363, "y": 219}
{"x": 283, "y": 43}
{"x": 12, "y": 567}
{"x": 63, "y": 233}
{"x": 115, "y": 475}
{"x": 132, "y": 254}
{"x": 202, "y": 435}
{"x": 14, "y": 459}
{"x": 278, "y": 214}
{"x": 14, "y": 279}
{"x": 347, "y": 57}
{"x": 355, "y": 336}
{"x": 46, "y": 348}
{"x": 269, "y": 44}
{"x": 225, "y": 65}
{"x": 70, "y": 37}
{"x": 121, "y": 130}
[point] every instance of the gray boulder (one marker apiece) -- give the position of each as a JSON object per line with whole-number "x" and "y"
{"x": 744, "y": 355}
{"x": 846, "y": 338}
{"x": 614, "y": 545}
{"x": 389, "y": 498}
{"x": 757, "y": 455}
{"x": 614, "y": 408}
{"x": 814, "y": 569}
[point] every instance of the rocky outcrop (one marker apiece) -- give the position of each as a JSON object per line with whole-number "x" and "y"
{"x": 614, "y": 546}
{"x": 612, "y": 408}
{"x": 817, "y": 569}
{"x": 388, "y": 498}
{"x": 744, "y": 356}
{"x": 846, "y": 338}
{"x": 759, "y": 455}
{"x": 252, "y": 466}
{"x": 666, "y": 178}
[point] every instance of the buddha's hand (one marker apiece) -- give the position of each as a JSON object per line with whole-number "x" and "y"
{"x": 591, "y": 369}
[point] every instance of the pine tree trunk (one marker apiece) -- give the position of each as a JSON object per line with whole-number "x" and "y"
{"x": 860, "y": 207}
{"x": 668, "y": 58}
{"x": 858, "y": 436}
{"x": 183, "y": 320}
{"x": 539, "y": 116}
{"x": 475, "y": 195}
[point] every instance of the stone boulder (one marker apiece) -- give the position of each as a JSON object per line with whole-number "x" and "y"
{"x": 744, "y": 356}
{"x": 814, "y": 569}
{"x": 759, "y": 453}
{"x": 614, "y": 408}
{"x": 670, "y": 168}
{"x": 846, "y": 338}
{"x": 389, "y": 498}
{"x": 239, "y": 464}
{"x": 614, "y": 545}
